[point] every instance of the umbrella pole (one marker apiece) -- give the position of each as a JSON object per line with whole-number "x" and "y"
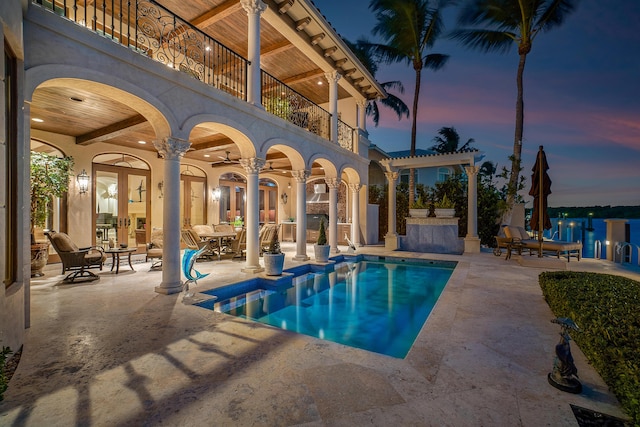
{"x": 540, "y": 203}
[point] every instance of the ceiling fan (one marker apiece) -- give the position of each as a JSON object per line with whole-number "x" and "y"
{"x": 269, "y": 168}
{"x": 225, "y": 160}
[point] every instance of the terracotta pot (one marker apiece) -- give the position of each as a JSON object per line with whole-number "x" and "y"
{"x": 39, "y": 258}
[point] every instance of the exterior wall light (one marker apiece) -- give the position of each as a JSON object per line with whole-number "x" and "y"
{"x": 216, "y": 194}
{"x": 83, "y": 182}
{"x": 284, "y": 198}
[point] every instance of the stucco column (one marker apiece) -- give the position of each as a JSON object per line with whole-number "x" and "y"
{"x": 172, "y": 150}
{"x": 254, "y": 9}
{"x": 362, "y": 114}
{"x": 391, "y": 238}
{"x": 300, "y": 177}
{"x": 333, "y": 184}
{"x": 333, "y": 78}
{"x": 471, "y": 241}
{"x": 355, "y": 213}
{"x": 252, "y": 221}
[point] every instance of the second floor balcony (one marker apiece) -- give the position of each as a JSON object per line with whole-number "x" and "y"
{"x": 210, "y": 45}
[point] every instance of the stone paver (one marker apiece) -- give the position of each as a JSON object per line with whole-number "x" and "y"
{"x": 113, "y": 353}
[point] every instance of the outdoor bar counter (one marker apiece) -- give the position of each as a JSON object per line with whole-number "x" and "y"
{"x": 435, "y": 235}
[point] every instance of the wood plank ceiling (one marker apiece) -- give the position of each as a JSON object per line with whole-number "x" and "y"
{"x": 92, "y": 118}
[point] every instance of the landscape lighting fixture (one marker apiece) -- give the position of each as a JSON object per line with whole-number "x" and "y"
{"x": 83, "y": 182}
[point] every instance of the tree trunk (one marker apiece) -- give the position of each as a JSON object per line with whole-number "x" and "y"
{"x": 514, "y": 177}
{"x": 414, "y": 125}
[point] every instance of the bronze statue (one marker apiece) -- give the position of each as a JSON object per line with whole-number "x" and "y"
{"x": 565, "y": 374}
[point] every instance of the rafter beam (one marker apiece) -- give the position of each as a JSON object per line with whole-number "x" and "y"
{"x": 112, "y": 131}
{"x": 216, "y": 14}
{"x": 276, "y": 48}
{"x": 299, "y": 78}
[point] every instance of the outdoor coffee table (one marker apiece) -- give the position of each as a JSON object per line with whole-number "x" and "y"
{"x": 119, "y": 253}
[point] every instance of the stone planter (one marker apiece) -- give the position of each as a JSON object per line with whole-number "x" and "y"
{"x": 445, "y": 213}
{"x": 273, "y": 264}
{"x": 321, "y": 252}
{"x": 39, "y": 258}
{"x": 418, "y": 213}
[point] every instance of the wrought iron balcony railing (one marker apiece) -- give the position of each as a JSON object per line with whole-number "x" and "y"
{"x": 153, "y": 31}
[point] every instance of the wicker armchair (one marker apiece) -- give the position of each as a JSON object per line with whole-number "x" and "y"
{"x": 76, "y": 260}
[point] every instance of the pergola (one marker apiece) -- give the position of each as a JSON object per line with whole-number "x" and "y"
{"x": 467, "y": 159}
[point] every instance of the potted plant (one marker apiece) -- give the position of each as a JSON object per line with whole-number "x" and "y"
{"x": 321, "y": 249}
{"x": 444, "y": 208}
{"x": 273, "y": 257}
{"x": 419, "y": 208}
{"x": 49, "y": 178}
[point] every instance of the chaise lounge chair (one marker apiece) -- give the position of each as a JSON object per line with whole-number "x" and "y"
{"x": 76, "y": 260}
{"x": 518, "y": 237}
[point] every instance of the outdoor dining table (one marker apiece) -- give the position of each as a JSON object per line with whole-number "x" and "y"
{"x": 219, "y": 236}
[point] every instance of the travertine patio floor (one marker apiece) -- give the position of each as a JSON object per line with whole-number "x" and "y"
{"x": 115, "y": 353}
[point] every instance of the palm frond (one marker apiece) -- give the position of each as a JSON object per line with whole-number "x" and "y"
{"x": 485, "y": 40}
{"x": 435, "y": 61}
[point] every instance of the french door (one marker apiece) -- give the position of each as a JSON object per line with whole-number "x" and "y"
{"x": 121, "y": 204}
{"x": 194, "y": 201}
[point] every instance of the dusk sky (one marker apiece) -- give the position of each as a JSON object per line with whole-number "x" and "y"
{"x": 581, "y": 100}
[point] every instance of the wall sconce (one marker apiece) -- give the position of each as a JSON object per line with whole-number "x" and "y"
{"x": 83, "y": 182}
{"x": 284, "y": 198}
{"x": 160, "y": 187}
{"x": 216, "y": 194}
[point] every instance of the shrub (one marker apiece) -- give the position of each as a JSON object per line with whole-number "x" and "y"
{"x": 607, "y": 310}
{"x": 322, "y": 236}
{"x": 4, "y": 381}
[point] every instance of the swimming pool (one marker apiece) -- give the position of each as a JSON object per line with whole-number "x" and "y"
{"x": 371, "y": 303}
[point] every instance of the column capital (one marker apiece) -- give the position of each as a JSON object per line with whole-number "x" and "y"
{"x": 472, "y": 170}
{"x": 171, "y": 147}
{"x": 252, "y": 165}
{"x": 391, "y": 176}
{"x": 332, "y": 183}
{"x": 355, "y": 187}
{"x": 332, "y": 76}
{"x": 362, "y": 103}
{"x": 253, "y": 6}
{"x": 301, "y": 175}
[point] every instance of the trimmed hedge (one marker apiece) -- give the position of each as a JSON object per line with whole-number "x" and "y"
{"x": 607, "y": 310}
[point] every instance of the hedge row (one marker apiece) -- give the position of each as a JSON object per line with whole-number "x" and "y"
{"x": 607, "y": 310}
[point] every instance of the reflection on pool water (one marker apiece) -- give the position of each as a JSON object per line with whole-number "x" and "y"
{"x": 373, "y": 303}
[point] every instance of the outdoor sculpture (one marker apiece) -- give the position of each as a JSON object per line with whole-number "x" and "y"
{"x": 188, "y": 259}
{"x": 565, "y": 374}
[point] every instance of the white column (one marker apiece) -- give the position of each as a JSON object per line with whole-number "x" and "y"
{"x": 300, "y": 177}
{"x": 172, "y": 150}
{"x": 254, "y": 9}
{"x": 355, "y": 213}
{"x": 333, "y": 78}
{"x": 252, "y": 221}
{"x": 471, "y": 241}
{"x": 333, "y": 184}
{"x": 391, "y": 238}
{"x": 362, "y": 114}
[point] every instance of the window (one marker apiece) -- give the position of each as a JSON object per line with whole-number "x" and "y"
{"x": 10, "y": 166}
{"x": 443, "y": 174}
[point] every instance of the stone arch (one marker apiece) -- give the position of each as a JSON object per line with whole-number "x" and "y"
{"x": 159, "y": 116}
{"x": 330, "y": 170}
{"x": 352, "y": 175}
{"x": 295, "y": 157}
{"x": 238, "y": 133}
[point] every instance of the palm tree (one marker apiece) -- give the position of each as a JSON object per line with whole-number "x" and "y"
{"x": 448, "y": 141}
{"x": 409, "y": 29}
{"x": 397, "y": 105}
{"x": 496, "y": 26}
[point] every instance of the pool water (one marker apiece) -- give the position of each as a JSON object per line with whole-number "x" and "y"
{"x": 378, "y": 306}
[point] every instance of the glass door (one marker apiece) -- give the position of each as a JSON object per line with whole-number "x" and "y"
{"x": 194, "y": 207}
{"x": 122, "y": 204}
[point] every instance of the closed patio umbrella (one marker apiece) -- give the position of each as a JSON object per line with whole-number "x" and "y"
{"x": 540, "y": 190}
